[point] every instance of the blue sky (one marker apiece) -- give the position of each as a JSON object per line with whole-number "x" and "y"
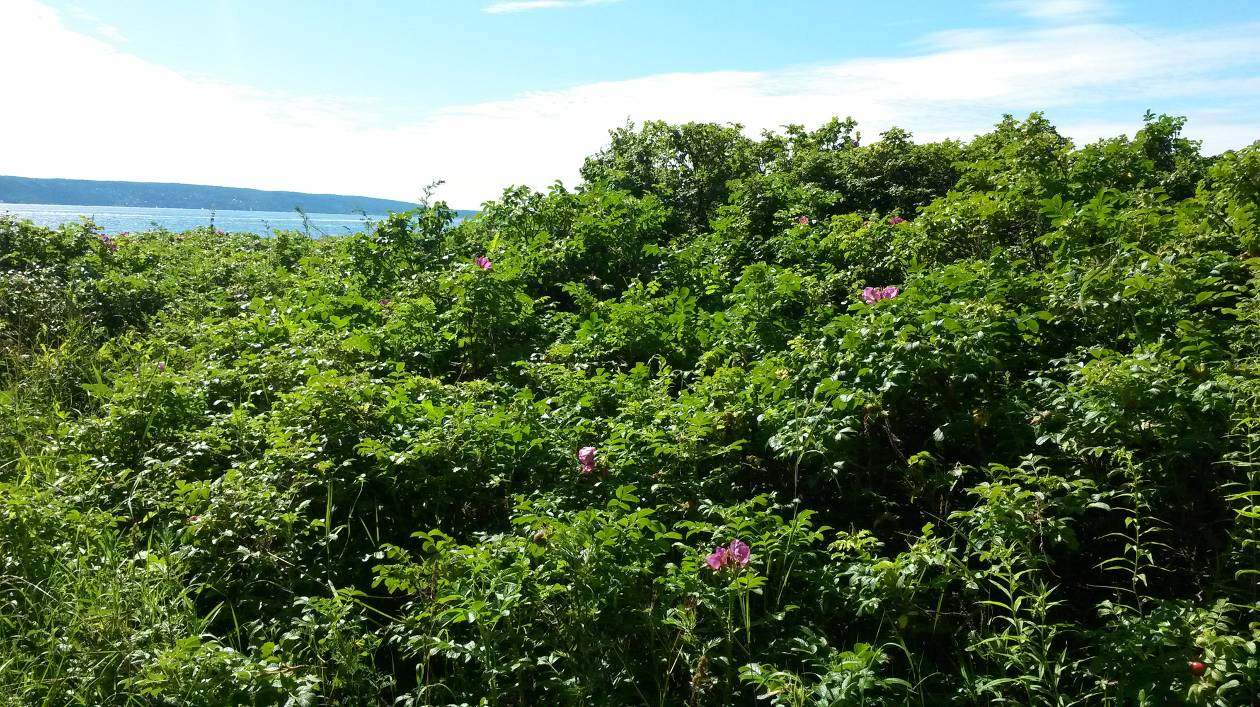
{"x": 381, "y": 98}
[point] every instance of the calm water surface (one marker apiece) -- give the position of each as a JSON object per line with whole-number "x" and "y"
{"x": 116, "y": 219}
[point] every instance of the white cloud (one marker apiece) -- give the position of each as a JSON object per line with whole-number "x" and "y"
{"x": 86, "y": 109}
{"x": 1059, "y": 10}
{"x": 525, "y": 5}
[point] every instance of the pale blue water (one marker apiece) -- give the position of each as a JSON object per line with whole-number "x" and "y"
{"x": 116, "y": 219}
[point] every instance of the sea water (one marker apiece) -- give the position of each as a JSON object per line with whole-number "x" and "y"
{"x": 117, "y": 219}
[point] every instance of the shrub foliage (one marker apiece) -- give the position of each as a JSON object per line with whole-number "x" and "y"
{"x": 792, "y": 420}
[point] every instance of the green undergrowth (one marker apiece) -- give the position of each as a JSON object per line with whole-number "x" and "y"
{"x": 985, "y": 414}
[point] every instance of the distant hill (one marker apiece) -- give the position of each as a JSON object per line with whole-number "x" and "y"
{"x": 85, "y": 192}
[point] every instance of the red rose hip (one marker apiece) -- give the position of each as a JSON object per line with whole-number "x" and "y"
{"x": 1197, "y": 668}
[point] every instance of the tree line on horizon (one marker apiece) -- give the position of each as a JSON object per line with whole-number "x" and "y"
{"x": 87, "y": 192}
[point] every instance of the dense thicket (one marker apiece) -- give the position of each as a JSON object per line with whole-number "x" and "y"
{"x": 986, "y": 416}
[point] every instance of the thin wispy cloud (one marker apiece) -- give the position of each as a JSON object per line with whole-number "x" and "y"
{"x": 214, "y": 133}
{"x": 1059, "y": 10}
{"x": 97, "y": 26}
{"x": 499, "y": 8}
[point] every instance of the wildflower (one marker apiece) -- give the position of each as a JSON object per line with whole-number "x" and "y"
{"x": 737, "y": 553}
{"x": 385, "y": 301}
{"x": 895, "y": 220}
{"x": 586, "y": 457}
{"x": 875, "y": 294}
{"x": 804, "y": 220}
{"x": 161, "y": 366}
{"x": 109, "y": 242}
{"x": 483, "y": 262}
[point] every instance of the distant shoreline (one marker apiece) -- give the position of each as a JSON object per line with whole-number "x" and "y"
{"x": 168, "y": 195}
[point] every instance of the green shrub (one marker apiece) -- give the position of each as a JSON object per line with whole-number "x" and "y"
{"x": 984, "y": 416}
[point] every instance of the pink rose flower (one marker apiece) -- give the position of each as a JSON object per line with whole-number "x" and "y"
{"x": 586, "y": 457}
{"x": 737, "y": 553}
{"x": 874, "y": 294}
